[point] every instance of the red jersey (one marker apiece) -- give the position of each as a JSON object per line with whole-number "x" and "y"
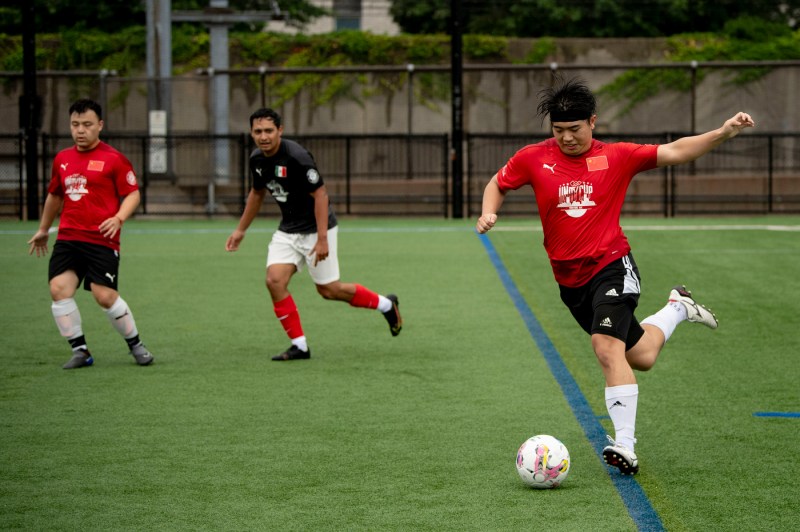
{"x": 580, "y": 200}
{"x": 92, "y": 184}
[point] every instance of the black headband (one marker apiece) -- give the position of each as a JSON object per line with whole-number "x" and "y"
{"x": 569, "y": 115}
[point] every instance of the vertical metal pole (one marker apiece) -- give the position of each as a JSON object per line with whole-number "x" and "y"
{"x": 103, "y": 74}
{"x": 770, "y": 153}
{"x": 445, "y": 173}
{"x": 410, "y": 101}
{"x": 21, "y": 165}
{"x": 243, "y": 170}
{"x": 262, "y": 70}
{"x": 164, "y": 30}
{"x": 347, "y": 173}
{"x": 457, "y": 104}
{"x": 693, "y": 124}
{"x": 30, "y": 108}
{"x": 410, "y": 123}
{"x": 151, "y": 54}
{"x": 145, "y": 174}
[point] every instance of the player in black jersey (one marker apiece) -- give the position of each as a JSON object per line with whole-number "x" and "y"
{"x": 306, "y": 235}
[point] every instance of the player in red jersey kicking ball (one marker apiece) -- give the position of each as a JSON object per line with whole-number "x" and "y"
{"x": 95, "y": 189}
{"x": 306, "y": 236}
{"x": 580, "y": 185}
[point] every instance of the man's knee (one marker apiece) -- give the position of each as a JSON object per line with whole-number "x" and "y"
{"x": 609, "y": 350}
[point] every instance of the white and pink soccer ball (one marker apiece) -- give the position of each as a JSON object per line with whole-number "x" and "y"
{"x": 543, "y": 462}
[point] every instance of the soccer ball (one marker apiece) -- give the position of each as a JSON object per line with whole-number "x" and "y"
{"x": 543, "y": 462}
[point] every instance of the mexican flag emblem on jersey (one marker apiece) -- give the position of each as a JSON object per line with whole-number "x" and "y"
{"x": 280, "y": 171}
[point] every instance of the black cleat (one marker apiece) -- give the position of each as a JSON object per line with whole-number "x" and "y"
{"x": 393, "y": 315}
{"x": 293, "y": 353}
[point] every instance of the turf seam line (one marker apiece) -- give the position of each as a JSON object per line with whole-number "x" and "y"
{"x": 636, "y": 501}
{"x": 433, "y": 229}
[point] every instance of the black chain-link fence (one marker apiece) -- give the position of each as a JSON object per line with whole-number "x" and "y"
{"x": 753, "y": 173}
{"x": 409, "y": 175}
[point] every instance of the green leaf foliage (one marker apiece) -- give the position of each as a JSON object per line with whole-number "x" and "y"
{"x": 743, "y": 39}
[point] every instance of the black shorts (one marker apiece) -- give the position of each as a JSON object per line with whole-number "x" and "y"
{"x": 605, "y": 305}
{"x": 90, "y": 262}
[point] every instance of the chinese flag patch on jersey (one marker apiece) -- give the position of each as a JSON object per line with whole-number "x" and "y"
{"x": 96, "y": 166}
{"x": 280, "y": 171}
{"x": 594, "y": 164}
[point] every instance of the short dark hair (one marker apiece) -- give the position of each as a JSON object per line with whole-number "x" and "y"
{"x": 85, "y": 104}
{"x": 568, "y": 101}
{"x": 266, "y": 113}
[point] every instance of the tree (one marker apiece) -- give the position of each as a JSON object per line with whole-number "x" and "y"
{"x": 56, "y": 16}
{"x": 589, "y": 18}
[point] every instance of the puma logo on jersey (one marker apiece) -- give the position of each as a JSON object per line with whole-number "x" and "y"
{"x": 258, "y": 171}
{"x": 64, "y": 166}
{"x": 551, "y": 168}
{"x": 110, "y": 277}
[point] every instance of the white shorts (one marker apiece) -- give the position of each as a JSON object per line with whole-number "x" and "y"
{"x": 297, "y": 249}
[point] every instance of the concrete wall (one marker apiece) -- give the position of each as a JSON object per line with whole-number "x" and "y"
{"x": 496, "y": 102}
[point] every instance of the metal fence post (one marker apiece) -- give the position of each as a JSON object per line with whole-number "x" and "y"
{"x": 770, "y": 154}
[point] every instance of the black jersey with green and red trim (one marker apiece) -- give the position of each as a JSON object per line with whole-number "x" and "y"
{"x": 291, "y": 176}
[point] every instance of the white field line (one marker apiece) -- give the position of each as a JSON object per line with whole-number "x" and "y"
{"x": 434, "y": 229}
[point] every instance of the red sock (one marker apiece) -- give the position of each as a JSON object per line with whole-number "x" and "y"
{"x": 364, "y": 298}
{"x": 286, "y": 312}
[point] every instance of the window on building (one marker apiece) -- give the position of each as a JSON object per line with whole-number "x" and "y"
{"x": 347, "y": 14}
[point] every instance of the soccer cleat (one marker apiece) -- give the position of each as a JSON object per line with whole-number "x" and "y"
{"x": 142, "y": 356}
{"x": 695, "y": 312}
{"x": 619, "y": 456}
{"x": 293, "y": 353}
{"x": 393, "y": 315}
{"x": 80, "y": 359}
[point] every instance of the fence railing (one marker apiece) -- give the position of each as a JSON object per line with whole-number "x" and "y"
{"x": 408, "y": 175}
{"x": 753, "y": 173}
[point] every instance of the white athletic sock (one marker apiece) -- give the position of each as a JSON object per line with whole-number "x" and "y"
{"x": 621, "y": 404}
{"x": 384, "y": 303}
{"x": 68, "y": 318}
{"x": 667, "y": 318}
{"x": 121, "y": 319}
{"x": 301, "y": 343}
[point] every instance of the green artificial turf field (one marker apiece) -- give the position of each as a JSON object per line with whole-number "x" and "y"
{"x": 417, "y": 432}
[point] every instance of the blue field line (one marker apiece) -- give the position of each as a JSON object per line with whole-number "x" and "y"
{"x": 777, "y": 414}
{"x": 639, "y": 508}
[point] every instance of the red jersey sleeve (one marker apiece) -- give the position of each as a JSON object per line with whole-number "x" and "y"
{"x": 516, "y": 172}
{"x": 124, "y": 176}
{"x": 92, "y": 184}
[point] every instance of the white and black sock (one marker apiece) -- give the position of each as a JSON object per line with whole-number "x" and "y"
{"x": 621, "y": 405}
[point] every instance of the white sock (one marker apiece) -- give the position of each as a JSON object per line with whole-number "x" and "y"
{"x": 68, "y": 318}
{"x": 667, "y": 318}
{"x": 300, "y": 343}
{"x": 121, "y": 319}
{"x": 621, "y": 404}
{"x": 384, "y": 303}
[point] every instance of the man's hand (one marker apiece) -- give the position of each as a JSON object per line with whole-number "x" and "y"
{"x": 733, "y": 126}
{"x": 232, "y": 244}
{"x": 320, "y": 251}
{"x": 39, "y": 243}
{"x": 110, "y": 226}
{"x": 486, "y": 222}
